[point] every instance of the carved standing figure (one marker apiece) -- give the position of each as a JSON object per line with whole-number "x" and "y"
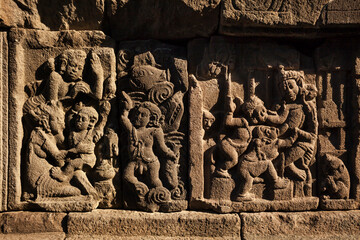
{"x": 145, "y": 134}
{"x": 236, "y": 140}
{"x": 302, "y": 122}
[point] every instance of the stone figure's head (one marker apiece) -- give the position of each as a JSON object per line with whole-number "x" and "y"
{"x": 255, "y": 110}
{"x": 265, "y": 140}
{"x": 208, "y": 120}
{"x": 50, "y": 117}
{"x": 291, "y": 84}
{"x": 71, "y": 65}
{"x": 333, "y": 166}
{"x": 146, "y": 114}
{"x": 86, "y": 119}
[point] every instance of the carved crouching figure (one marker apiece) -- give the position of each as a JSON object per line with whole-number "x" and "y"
{"x": 257, "y": 160}
{"x": 336, "y": 183}
{"x": 85, "y": 133}
{"x": 144, "y": 133}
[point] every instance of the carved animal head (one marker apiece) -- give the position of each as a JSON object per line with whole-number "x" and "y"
{"x": 265, "y": 141}
{"x": 144, "y": 77}
{"x": 333, "y": 166}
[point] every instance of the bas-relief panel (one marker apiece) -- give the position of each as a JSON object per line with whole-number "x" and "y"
{"x": 93, "y": 133}
{"x": 273, "y": 127}
{"x": 256, "y": 126}
{"x": 64, "y": 85}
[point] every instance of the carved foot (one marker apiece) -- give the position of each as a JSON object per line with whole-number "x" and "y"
{"x": 281, "y": 183}
{"x": 221, "y": 173}
{"x": 57, "y": 173}
{"x": 258, "y": 180}
{"x": 245, "y": 197}
{"x": 296, "y": 173}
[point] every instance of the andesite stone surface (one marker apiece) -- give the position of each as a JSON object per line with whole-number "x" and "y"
{"x": 183, "y": 119}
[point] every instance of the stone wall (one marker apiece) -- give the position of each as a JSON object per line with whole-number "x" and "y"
{"x": 200, "y": 119}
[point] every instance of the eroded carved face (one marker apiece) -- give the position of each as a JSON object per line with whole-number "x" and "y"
{"x": 57, "y": 123}
{"x": 82, "y": 121}
{"x": 74, "y": 69}
{"x": 268, "y": 136}
{"x": 259, "y": 114}
{"x": 289, "y": 90}
{"x": 208, "y": 120}
{"x": 141, "y": 117}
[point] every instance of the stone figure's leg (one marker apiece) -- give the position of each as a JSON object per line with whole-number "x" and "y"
{"x": 153, "y": 174}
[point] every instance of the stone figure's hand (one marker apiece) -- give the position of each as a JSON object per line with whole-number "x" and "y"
{"x": 97, "y": 136}
{"x": 84, "y": 148}
{"x": 109, "y": 88}
{"x": 95, "y": 64}
{"x": 105, "y": 108}
{"x": 126, "y": 101}
{"x": 79, "y": 87}
{"x": 61, "y": 155}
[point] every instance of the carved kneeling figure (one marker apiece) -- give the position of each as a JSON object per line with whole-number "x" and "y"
{"x": 336, "y": 184}
{"x": 258, "y": 160}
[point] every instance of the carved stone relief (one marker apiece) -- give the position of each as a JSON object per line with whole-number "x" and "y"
{"x": 153, "y": 81}
{"x": 64, "y": 86}
{"x": 271, "y": 12}
{"x": 263, "y": 131}
{"x": 337, "y": 145}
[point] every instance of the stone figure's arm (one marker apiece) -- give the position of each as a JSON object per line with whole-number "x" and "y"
{"x": 278, "y": 118}
{"x": 160, "y": 143}
{"x": 230, "y": 121}
{"x": 306, "y": 135}
{"x": 104, "y": 111}
{"x": 50, "y": 148}
{"x": 127, "y": 104}
{"x": 55, "y": 80}
{"x": 98, "y": 73}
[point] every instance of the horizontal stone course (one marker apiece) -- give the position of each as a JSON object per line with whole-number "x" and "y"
{"x": 31, "y": 222}
{"x": 130, "y": 223}
{"x": 301, "y": 225}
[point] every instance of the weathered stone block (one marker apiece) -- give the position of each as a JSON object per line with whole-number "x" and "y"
{"x": 179, "y": 19}
{"x": 52, "y": 15}
{"x": 139, "y": 224}
{"x": 31, "y": 222}
{"x": 304, "y": 225}
{"x": 270, "y": 13}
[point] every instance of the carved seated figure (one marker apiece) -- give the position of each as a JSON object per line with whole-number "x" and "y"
{"x": 145, "y": 134}
{"x": 68, "y": 80}
{"x": 43, "y": 154}
{"x": 264, "y": 148}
